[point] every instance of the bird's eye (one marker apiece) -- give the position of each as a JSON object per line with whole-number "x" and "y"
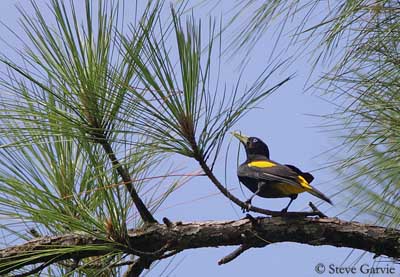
{"x": 255, "y": 140}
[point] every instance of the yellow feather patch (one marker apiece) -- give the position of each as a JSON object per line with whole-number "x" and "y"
{"x": 261, "y": 164}
{"x": 303, "y": 182}
{"x": 288, "y": 189}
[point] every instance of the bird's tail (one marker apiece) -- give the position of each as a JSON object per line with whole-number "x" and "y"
{"x": 319, "y": 194}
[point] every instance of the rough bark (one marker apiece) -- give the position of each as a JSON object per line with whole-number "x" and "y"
{"x": 155, "y": 241}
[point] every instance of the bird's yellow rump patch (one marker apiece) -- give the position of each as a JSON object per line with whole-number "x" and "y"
{"x": 261, "y": 164}
{"x": 288, "y": 189}
{"x": 304, "y": 183}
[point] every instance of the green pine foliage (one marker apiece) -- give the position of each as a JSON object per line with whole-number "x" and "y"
{"x": 91, "y": 80}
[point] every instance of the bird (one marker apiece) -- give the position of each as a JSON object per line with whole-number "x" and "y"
{"x": 269, "y": 179}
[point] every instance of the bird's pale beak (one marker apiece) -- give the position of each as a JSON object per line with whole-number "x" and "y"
{"x": 243, "y": 139}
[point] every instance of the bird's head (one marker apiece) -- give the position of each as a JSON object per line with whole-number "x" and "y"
{"x": 255, "y": 147}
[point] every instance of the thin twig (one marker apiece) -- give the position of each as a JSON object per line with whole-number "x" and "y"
{"x": 167, "y": 222}
{"x": 315, "y": 209}
{"x": 234, "y": 254}
{"x": 141, "y": 207}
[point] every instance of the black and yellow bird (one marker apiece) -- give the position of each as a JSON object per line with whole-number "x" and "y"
{"x": 270, "y": 179}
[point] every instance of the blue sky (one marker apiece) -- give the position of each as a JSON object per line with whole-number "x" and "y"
{"x": 284, "y": 123}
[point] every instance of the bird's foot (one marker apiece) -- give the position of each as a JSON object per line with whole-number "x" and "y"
{"x": 252, "y": 219}
{"x": 248, "y": 206}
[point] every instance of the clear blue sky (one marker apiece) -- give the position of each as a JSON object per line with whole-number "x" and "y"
{"x": 293, "y": 137}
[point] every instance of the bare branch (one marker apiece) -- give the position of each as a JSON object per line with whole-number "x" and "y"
{"x": 157, "y": 239}
{"x": 234, "y": 254}
{"x": 141, "y": 207}
{"x": 31, "y": 252}
{"x": 315, "y": 209}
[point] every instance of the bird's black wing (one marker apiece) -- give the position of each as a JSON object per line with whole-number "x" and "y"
{"x": 269, "y": 171}
{"x": 309, "y": 178}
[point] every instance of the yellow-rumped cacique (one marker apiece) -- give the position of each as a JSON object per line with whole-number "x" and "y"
{"x": 269, "y": 179}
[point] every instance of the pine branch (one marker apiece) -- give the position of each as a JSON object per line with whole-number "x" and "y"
{"x": 141, "y": 207}
{"x": 157, "y": 239}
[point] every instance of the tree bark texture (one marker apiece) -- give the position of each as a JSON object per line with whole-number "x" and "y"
{"x": 156, "y": 240}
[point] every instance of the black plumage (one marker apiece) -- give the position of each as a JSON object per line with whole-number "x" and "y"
{"x": 269, "y": 179}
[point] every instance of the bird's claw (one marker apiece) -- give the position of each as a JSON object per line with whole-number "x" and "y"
{"x": 248, "y": 206}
